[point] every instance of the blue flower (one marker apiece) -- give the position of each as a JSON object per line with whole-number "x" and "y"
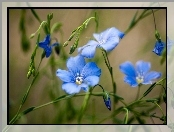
{"x": 159, "y": 46}
{"x": 139, "y": 74}
{"x": 79, "y": 75}
{"x": 45, "y": 45}
{"x": 170, "y": 44}
{"x": 107, "y": 39}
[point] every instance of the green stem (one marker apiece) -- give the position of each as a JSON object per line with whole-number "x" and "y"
{"x": 154, "y": 19}
{"x": 126, "y": 116}
{"x": 159, "y": 108}
{"x": 63, "y": 98}
{"x": 143, "y": 15}
{"x": 85, "y": 102}
{"x": 25, "y": 96}
{"x": 138, "y": 93}
{"x": 111, "y": 73}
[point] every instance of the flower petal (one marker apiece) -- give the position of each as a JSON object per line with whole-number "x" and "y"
{"x": 131, "y": 81}
{"x": 150, "y": 76}
{"x": 114, "y": 32}
{"x": 142, "y": 67}
{"x": 128, "y": 69}
{"x": 54, "y": 44}
{"x": 91, "y": 69}
{"x": 65, "y": 76}
{"x": 45, "y": 42}
{"x": 110, "y": 44}
{"x": 89, "y": 49}
{"x": 110, "y": 32}
{"x": 158, "y": 49}
{"x": 92, "y": 80}
{"x": 84, "y": 87}
{"x": 48, "y": 51}
{"x": 76, "y": 64}
{"x": 70, "y": 88}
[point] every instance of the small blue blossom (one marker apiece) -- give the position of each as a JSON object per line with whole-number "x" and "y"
{"x": 45, "y": 45}
{"x": 159, "y": 47}
{"x": 170, "y": 44}
{"x": 79, "y": 75}
{"x": 107, "y": 39}
{"x": 139, "y": 74}
{"x": 107, "y": 100}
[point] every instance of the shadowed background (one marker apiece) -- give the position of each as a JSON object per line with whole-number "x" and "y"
{"x": 136, "y": 45}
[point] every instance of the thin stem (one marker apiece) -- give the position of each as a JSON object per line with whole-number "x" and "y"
{"x": 154, "y": 19}
{"x": 159, "y": 108}
{"x": 138, "y": 93}
{"x": 111, "y": 73}
{"x": 25, "y": 95}
{"x": 126, "y": 116}
{"x": 66, "y": 97}
{"x": 84, "y": 105}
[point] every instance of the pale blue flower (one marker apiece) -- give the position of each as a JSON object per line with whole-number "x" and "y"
{"x": 107, "y": 39}
{"x": 79, "y": 75}
{"x": 138, "y": 75}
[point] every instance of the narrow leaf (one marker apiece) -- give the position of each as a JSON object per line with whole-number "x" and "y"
{"x": 149, "y": 89}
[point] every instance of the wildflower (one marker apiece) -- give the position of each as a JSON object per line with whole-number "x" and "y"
{"x": 159, "y": 46}
{"x": 139, "y": 74}
{"x": 80, "y": 75}
{"x": 107, "y": 40}
{"x": 45, "y": 45}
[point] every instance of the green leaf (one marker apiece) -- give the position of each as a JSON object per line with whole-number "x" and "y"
{"x": 117, "y": 97}
{"x": 27, "y": 110}
{"x": 133, "y": 20}
{"x": 35, "y": 15}
{"x": 152, "y": 100}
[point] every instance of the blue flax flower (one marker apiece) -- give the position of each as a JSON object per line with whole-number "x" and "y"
{"x": 80, "y": 75}
{"x": 45, "y": 45}
{"x": 107, "y": 39}
{"x": 139, "y": 74}
{"x": 159, "y": 47}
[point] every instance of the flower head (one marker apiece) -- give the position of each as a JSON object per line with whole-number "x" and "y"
{"x": 107, "y": 39}
{"x": 45, "y": 45}
{"x": 139, "y": 74}
{"x": 159, "y": 46}
{"x": 79, "y": 75}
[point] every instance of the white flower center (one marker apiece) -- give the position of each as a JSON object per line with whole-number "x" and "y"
{"x": 102, "y": 41}
{"x": 139, "y": 79}
{"x": 79, "y": 80}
